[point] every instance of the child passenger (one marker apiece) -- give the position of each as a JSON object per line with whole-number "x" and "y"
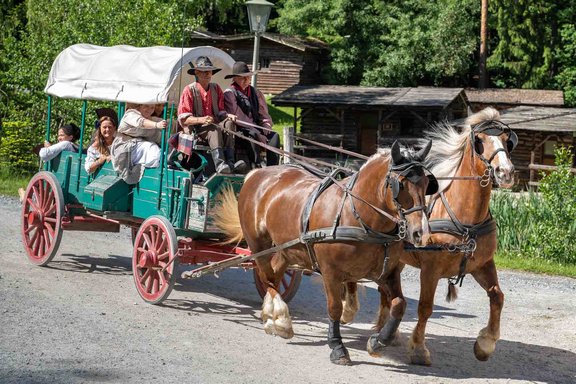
{"x": 136, "y": 144}
{"x": 67, "y": 135}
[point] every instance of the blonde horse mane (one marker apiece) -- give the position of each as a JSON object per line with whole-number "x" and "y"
{"x": 448, "y": 144}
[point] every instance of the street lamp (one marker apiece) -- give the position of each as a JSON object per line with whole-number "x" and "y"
{"x": 258, "y": 14}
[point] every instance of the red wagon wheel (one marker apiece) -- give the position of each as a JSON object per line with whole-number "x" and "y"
{"x": 154, "y": 259}
{"x": 288, "y": 285}
{"x": 42, "y": 211}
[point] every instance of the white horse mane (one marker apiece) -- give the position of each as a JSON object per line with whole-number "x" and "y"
{"x": 448, "y": 144}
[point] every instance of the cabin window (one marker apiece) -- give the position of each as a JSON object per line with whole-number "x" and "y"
{"x": 264, "y": 63}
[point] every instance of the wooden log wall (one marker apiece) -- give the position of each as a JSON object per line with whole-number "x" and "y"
{"x": 287, "y": 66}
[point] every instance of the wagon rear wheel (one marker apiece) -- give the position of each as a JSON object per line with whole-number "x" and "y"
{"x": 42, "y": 211}
{"x": 154, "y": 259}
{"x": 288, "y": 285}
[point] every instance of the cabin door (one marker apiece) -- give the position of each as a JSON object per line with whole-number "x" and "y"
{"x": 367, "y": 123}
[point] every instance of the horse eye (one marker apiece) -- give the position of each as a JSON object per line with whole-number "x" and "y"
{"x": 510, "y": 145}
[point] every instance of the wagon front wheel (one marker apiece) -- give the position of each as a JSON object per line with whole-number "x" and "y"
{"x": 42, "y": 211}
{"x": 288, "y": 285}
{"x": 154, "y": 259}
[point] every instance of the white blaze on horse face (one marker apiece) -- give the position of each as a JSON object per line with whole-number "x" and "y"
{"x": 504, "y": 171}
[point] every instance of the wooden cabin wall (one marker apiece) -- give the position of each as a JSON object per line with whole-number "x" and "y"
{"x": 287, "y": 66}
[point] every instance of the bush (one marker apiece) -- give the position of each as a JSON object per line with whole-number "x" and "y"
{"x": 16, "y": 142}
{"x": 541, "y": 225}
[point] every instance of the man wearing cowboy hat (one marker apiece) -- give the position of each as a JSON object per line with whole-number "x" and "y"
{"x": 249, "y": 105}
{"x": 201, "y": 110}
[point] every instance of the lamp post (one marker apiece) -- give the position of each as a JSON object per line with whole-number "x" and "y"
{"x": 258, "y": 14}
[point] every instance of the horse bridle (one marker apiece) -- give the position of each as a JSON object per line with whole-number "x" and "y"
{"x": 410, "y": 171}
{"x": 491, "y": 128}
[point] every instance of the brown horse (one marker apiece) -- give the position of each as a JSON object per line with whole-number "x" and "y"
{"x": 463, "y": 233}
{"x": 344, "y": 227}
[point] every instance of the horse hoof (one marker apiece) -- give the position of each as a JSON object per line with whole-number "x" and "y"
{"x": 340, "y": 356}
{"x": 374, "y": 347}
{"x": 269, "y": 327}
{"x": 420, "y": 360}
{"x": 479, "y": 353}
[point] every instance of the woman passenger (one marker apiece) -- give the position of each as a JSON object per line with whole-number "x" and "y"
{"x": 67, "y": 135}
{"x": 136, "y": 144}
{"x": 99, "y": 152}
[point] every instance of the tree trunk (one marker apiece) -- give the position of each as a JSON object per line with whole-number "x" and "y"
{"x": 483, "y": 76}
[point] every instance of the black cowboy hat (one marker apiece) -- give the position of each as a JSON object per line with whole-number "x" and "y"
{"x": 204, "y": 64}
{"x": 240, "y": 68}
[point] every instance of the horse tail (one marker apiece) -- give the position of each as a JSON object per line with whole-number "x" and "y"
{"x": 226, "y": 216}
{"x": 452, "y": 293}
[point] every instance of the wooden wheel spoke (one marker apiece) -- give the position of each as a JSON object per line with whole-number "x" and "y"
{"x": 33, "y": 205}
{"x": 34, "y": 236}
{"x": 148, "y": 282}
{"x": 153, "y": 237}
{"x": 145, "y": 276}
{"x": 51, "y": 211}
{"x": 164, "y": 255}
{"x": 50, "y": 229}
{"x": 49, "y": 201}
{"x": 147, "y": 241}
{"x": 141, "y": 249}
{"x": 155, "y": 284}
{"x": 39, "y": 240}
{"x": 162, "y": 245}
{"x": 29, "y": 229}
{"x": 50, "y": 219}
{"x": 162, "y": 278}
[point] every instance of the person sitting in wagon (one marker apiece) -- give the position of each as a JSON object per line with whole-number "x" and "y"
{"x": 67, "y": 135}
{"x": 249, "y": 105}
{"x": 201, "y": 112}
{"x": 99, "y": 151}
{"x": 136, "y": 144}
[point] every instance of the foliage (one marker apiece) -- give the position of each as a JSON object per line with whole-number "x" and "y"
{"x": 16, "y": 147}
{"x": 541, "y": 226}
{"x": 395, "y": 43}
{"x": 566, "y": 53}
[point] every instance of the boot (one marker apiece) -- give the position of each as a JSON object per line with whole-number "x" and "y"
{"x": 219, "y": 162}
{"x": 239, "y": 166}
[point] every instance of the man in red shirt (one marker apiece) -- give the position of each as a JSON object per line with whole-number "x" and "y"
{"x": 201, "y": 110}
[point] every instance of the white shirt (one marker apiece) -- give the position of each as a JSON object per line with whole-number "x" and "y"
{"x": 48, "y": 153}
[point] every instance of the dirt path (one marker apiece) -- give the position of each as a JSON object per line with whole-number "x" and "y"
{"x": 80, "y": 320}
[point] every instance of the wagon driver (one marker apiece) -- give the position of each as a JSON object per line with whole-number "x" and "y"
{"x": 201, "y": 111}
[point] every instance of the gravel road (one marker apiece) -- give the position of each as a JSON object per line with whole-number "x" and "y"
{"x": 80, "y": 320}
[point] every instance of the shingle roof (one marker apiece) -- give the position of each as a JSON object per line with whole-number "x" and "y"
{"x": 291, "y": 41}
{"x": 516, "y": 96}
{"x": 545, "y": 119}
{"x": 367, "y": 96}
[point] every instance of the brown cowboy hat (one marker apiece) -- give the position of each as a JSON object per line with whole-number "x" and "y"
{"x": 204, "y": 64}
{"x": 240, "y": 68}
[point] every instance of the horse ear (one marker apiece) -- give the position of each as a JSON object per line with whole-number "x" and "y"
{"x": 397, "y": 157}
{"x": 421, "y": 155}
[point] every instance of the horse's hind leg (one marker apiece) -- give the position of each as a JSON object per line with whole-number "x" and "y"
{"x": 419, "y": 354}
{"x": 485, "y": 344}
{"x": 275, "y": 314}
{"x": 350, "y": 302}
{"x": 391, "y": 312}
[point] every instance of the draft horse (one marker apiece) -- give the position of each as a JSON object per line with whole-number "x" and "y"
{"x": 463, "y": 233}
{"x": 342, "y": 227}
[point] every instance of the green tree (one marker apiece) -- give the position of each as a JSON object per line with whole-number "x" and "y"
{"x": 566, "y": 54}
{"x": 394, "y": 43}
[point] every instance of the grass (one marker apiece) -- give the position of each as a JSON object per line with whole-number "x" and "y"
{"x": 519, "y": 262}
{"x": 282, "y": 117}
{"x": 9, "y": 184}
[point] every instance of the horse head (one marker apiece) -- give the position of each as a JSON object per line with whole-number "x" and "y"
{"x": 493, "y": 142}
{"x": 409, "y": 184}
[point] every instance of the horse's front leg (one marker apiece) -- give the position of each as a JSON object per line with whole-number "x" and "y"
{"x": 275, "y": 314}
{"x": 350, "y": 302}
{"x": 391, "y": 312}
{"x": 419, "y": 354}
{"x": 339, "y": 354}
{"x": 485, "y": 344}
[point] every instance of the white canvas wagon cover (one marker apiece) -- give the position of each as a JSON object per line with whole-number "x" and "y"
{"x": 126, "y": 73}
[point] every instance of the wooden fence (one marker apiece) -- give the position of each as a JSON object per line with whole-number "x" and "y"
{"x": 534, "y": 168}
